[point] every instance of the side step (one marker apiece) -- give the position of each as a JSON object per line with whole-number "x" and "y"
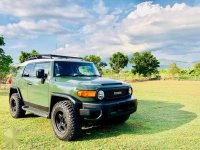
{"x": 35, "y": 111}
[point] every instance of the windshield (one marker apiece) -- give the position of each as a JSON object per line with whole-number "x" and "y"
{"x": 64, "y": 68}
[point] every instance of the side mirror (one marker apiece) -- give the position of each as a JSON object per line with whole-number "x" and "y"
{"x": 40, "y": 74}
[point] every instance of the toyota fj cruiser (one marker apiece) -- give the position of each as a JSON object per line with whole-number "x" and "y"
{"x": 69, "y": 91}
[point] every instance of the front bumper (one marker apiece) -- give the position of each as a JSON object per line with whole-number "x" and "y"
{"x": 106, "y": 110}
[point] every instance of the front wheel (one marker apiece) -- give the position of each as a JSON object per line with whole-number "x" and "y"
{"x": 66, "y": 121}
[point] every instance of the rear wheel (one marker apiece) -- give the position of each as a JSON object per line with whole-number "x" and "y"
{"x": 66, "y": 121}
{"x": 16, "y": 104}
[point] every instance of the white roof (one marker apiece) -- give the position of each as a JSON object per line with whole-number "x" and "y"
{"x": 49, "y": 60}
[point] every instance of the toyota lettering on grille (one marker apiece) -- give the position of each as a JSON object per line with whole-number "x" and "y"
{"x": 118, "y": 93}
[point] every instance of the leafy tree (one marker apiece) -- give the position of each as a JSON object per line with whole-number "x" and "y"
{"x": 144, "y": 64}
{"x": 118, "y": 61}
{"x": 183, "y": 71}
{"x": 197, "y": 68}
{"x": 13, "y": 69}
{"x": 162, "y": 71}
{"x": 5, "y": 61}
{"x": 195, "y": 71}
{"x": 2, "y": 41}
{"x": 24, "y": 55}
{"x": 97, "y": 61}
{"x": 173, "y": 69}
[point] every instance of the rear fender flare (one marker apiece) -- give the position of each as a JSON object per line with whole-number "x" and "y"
{"x": 17, "y": 91}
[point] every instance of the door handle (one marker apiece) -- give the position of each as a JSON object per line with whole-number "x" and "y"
{"x": 29, "y": 83}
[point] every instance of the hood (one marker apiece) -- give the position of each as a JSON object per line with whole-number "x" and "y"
{"x": 105, "y": 81}
{"x": 89, "y": 81}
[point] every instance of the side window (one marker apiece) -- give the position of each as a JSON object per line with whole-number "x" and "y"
{"x": 28, "y": 71}
{"x": 44, "y": 65}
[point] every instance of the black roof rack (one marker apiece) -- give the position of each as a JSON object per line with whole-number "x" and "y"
{"x": 50, "y": 56}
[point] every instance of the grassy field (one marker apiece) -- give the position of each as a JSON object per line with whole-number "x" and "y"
{"x": 168, "y": 117}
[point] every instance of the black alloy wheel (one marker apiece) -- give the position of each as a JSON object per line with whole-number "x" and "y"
{"x": 16, "y": 104}
{"x": 66, "y": 121}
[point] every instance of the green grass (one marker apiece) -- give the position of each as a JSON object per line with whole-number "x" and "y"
{"x": 168, "y": 117}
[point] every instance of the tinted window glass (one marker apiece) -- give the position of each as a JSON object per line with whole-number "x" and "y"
{"x": 45, "y": 66}
{"x": 75, "y": 69}
{"x": 28, "y": 71}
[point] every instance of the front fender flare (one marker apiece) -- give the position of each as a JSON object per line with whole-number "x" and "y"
{"x": 56, "y": 97}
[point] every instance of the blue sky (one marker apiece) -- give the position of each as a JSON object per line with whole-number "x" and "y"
{"x": 170, "y": 29}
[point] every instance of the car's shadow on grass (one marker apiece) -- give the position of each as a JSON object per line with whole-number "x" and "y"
{"x": 151, "y": 117}
{"x": 30, "y": 115}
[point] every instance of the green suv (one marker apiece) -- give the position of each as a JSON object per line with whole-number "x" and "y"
{"x": 70, "y": 92}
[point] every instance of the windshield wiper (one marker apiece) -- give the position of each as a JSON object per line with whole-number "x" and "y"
{"x": 65, "y": 75}
{"x": 94, "y": 75}
{"x": 82, "y": 75}
{"x": 79, "y": 75}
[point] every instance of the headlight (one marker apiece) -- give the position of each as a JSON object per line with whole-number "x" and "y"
{"x": 100, "y": 95}
{"x": 130, "y": 91}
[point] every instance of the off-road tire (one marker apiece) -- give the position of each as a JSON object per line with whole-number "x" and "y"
{"x": 69, "y": 127}
{"x": 121, "y": 119}
{"x": 16, "y": 104}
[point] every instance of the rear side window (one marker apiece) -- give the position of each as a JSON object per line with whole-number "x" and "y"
{"x": 18, "y": 72}
{"x": 28, "y": 71}
{"x": 44, "y": 65}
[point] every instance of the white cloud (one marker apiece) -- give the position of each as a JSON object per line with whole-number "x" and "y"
{"x": 27, "y": 29}
{"x": 18, "y": 46}
{"x": 43, "y": 9}
{"x": 100, "y": 8}
{"x": 170, "y": 32}
{"x": 173, "y": 30}
{"x": 40, "y": 17}
{"x": 117, "y": 11}
{"x": 150, "y": 19}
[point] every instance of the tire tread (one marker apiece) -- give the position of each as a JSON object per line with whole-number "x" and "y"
{"x": 19, "y": 103}
{"x": 74, "y": 120}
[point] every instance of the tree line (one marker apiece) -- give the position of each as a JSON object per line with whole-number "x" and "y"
{"x": 176, "y": 72}
{"x": 143, "y": 64}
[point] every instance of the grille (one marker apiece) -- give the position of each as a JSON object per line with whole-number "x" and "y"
{"x": 116, "y": 93}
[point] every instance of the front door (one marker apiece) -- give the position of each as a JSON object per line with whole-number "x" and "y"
{"x": 23, "y": 83}
{"x": 38, "y": 92}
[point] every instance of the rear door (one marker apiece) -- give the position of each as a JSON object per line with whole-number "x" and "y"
{"x": 38, "y": 92}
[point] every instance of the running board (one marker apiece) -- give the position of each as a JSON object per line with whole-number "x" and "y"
{"x": 35, "y": 111}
